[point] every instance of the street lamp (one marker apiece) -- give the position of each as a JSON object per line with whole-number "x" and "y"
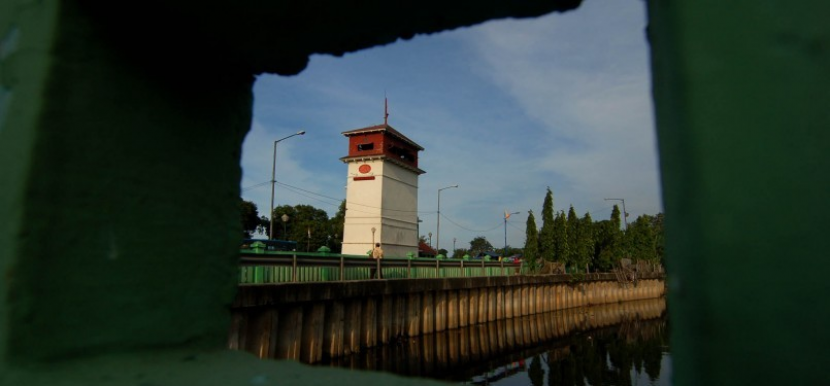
{"x": 438, "y": 226}
{"x": 506, "y": 216}
{"x": 273, "y": 180}
{"x": 625, "y": 214}
{"x": 284, "y": 221}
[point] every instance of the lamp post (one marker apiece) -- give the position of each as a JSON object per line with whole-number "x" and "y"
{"x": 438, "y": 225}
{"x": 506, "y": 216}
{"x": 308, "y": 242}
{"x": 273, "y": 180}
{"x": 285, "y": 219}
{"x": 625, "y": 214}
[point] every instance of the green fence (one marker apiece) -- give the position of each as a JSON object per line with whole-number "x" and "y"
{"x": 258, "y": 267}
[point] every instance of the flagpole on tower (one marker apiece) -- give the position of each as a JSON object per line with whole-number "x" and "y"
{"x": 385, "y": 109}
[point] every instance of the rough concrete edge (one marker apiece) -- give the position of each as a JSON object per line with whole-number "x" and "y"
{"x": 32, "y": 27}
{"x": 191, "y": 367}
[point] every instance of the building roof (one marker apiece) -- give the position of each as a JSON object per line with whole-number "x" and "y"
{"x": 383, "y": 128}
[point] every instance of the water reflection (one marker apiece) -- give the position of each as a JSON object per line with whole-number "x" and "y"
{"x": 633, "y": 352}
{"x": 612, "y": 344}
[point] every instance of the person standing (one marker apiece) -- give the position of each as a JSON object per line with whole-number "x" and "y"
{"x": 377, "y": 254}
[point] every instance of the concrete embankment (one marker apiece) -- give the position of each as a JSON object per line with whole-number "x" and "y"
{"x": 310, "y": 321}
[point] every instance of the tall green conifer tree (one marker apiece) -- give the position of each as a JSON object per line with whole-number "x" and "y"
{"x": 619, "y": 247}
{"x": 573, "y": 236}
{"x": 560, "y": 238}
{"x": 546, "y": 243}
{"x": 586, "y": 240}
{"x": 531, "y": 250}
{"x": 615, "y": 217}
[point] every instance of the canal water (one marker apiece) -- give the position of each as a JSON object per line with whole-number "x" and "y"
{"x": 612, "y": 344}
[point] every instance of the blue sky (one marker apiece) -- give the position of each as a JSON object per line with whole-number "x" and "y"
{"x": 503, "y": 109}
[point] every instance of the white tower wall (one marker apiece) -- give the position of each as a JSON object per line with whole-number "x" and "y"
{"x": 388, "y": 186}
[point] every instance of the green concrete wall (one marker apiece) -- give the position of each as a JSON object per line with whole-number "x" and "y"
{"x": 119, "y": 154}
{"x": 742, "y": 90}
{"x": 23, "y": 74}
{"x": 120, "y": 136}
{"x": 117, "y": 167}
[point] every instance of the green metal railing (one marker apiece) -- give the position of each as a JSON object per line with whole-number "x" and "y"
{"x": 258, "y": 267}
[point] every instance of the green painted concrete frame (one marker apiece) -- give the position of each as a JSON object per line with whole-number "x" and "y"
{"x": 742, "y": 91}
{"x": 120, "y": 141}
{"x": 119, "y": 160}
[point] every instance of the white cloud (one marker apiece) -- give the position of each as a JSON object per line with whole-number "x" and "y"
{"x": 584, "y": 77}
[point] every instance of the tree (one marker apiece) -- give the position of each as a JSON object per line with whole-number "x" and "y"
{"x": 531, "y": 252}
{"x": 250, "y": 217}
{"x": 561, "y": 251}
{"x": 586, "y": 240}
{"x": 615, "y": 217}
{"x": 336, "y": 225}
{"x": 641, "y": 240}
{"x": 479, "y": 245}
{"x": 572, "y": 230}
{"x": 604, "y": 254}
{"x": 659, "y": 237}
{"x": 546, "y": 236}
{"x": 307, "y": 225}
{"x": 609, "y": 245}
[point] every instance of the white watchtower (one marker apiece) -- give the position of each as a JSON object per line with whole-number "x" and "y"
{"x": 381, "y": 192}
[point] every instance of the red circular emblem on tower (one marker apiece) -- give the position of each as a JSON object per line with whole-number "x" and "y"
{"x": 365, "y": 168}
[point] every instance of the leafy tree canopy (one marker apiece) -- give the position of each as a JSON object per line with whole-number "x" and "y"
{"x": 249, "y": 216}
{"x": 479, "y": 245}
{"x": 308, "y": 226}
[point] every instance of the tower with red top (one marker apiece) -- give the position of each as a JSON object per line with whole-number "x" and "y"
{"x": 381, "y": 191}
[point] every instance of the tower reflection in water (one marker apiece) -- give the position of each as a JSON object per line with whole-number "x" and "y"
{"x": 595, "y": 345}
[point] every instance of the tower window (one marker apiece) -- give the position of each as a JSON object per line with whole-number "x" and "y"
{"x": 402, "y": 153}
{"x": 365, "y": 146}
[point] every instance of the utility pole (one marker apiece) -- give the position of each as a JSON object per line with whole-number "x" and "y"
{"x": 273, "y": 181}
{"x": 438, "y": 224}
{"x": 506, "y": 216}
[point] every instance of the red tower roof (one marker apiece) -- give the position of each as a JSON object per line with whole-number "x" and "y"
{"x": 383, "y": 128}
{"x": 383, "y": 142}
